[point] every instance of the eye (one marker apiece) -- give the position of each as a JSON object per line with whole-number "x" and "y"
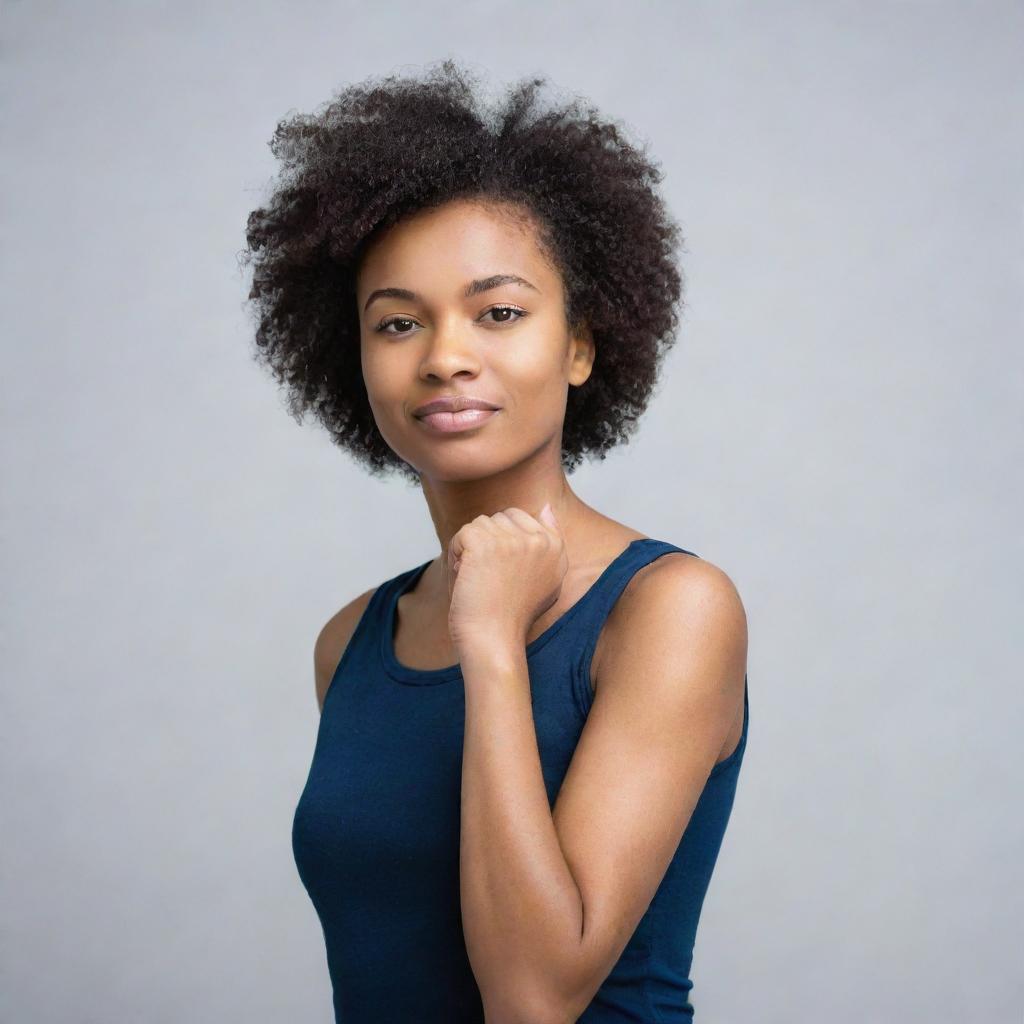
{"x": 520, "y": 313}
{"x": 384, "y": 324}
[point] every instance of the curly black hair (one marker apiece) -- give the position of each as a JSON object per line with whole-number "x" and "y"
{"x": 386, "y": 148}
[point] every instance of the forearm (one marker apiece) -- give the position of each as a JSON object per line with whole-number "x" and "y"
{"x": 521, "y": 907}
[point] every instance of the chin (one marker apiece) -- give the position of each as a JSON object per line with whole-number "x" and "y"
{"x": 460, "y": 467}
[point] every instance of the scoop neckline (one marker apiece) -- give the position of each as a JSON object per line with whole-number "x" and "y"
{"x": 427, "y": 676}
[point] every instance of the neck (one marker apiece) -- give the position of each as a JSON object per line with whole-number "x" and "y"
{"x": 452, "y": 504}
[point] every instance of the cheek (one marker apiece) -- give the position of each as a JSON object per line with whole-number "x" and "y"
{"x": 539, "y": 382}
{"x": 381, "y": 378}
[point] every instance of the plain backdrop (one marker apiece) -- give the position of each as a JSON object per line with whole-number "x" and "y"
{"x": 839, "y": 428}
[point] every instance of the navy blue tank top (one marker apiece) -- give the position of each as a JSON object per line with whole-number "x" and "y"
{"x": 375, "y": 833}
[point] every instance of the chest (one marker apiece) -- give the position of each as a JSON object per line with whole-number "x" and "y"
{"x": 420, "y": 637}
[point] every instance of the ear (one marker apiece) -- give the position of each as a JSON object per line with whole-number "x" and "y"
{"x": 583, "y": 352}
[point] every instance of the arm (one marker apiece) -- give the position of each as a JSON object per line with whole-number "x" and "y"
{"x": 550, "y": 899}
{"x": 521, "y": 909}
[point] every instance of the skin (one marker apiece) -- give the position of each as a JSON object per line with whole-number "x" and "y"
{"x": 549, "y": 897}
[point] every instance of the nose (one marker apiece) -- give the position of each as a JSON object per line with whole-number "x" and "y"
{"x": 449, "y": 352}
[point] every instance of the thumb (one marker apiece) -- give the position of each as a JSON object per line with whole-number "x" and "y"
{"x": 547, "y": 516}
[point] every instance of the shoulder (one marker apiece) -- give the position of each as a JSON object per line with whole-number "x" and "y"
{"x": 332, "y": 640}
{"x": 688, "y": 582}
{"x": 678, "y": 606}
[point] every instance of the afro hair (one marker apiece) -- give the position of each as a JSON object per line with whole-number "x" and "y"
{"x": 385, "y": 148}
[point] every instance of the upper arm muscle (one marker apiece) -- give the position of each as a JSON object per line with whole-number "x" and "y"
{"x": 332, "y": 640}
{"x": 667, "y": 697}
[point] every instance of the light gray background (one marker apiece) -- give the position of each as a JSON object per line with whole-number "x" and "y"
{"x": 839, "y": 429}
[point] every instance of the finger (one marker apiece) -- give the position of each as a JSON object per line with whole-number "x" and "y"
{"x": 450, "y": 578}
{"x": 524, "y": 520}
{"x": 488, "y": 525}
{"x": 507, "y": 523}
{"x": 550, "y": 521}
{"x": 455, "y": 549}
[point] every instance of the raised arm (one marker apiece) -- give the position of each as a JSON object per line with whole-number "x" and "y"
{"x": 550, "y": 899}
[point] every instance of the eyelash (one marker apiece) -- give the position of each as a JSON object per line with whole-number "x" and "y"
{"x": 380, "y": 328}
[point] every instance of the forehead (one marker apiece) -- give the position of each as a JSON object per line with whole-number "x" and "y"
{"x": 462, "y": 240}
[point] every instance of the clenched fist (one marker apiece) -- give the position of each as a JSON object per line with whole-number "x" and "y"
{"x": 503, "y": 571}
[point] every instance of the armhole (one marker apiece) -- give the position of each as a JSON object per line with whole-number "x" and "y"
{"x": 737, "y": 754}
{"x": 350, "y": 646}
{"x": 595, "y": 615}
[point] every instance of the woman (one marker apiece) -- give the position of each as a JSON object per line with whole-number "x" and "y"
{"x": 528, "y": 745}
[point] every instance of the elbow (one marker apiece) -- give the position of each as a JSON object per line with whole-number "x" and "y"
{"x": 520, "y": 1014}
{"x": 553, "y": 987}
{"x": 529, "y": 1006}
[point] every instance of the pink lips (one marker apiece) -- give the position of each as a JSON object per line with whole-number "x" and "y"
{"x": 452, "y": 403}
{"x": 446, "y": 422}
{"x": 451, "y": 414}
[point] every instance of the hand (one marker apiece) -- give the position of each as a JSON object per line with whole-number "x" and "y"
{"x": 504, "y": 571}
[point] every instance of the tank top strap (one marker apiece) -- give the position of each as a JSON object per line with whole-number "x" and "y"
{"x": 377, "y": 618}
{"x": 365, "y": 639}
{"x": 622, "y": 569}
{"x": 388, "y": 593}
{"x": 599, "y": 601}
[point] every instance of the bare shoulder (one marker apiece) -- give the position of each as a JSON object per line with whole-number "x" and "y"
{"x": 678, "y": 610}
{"x": 687, "y": 582}
{"x": 333, "y": 639}
{"x": 680, "y": 586}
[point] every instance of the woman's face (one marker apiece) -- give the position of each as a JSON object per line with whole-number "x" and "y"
{"x": 460, "y": 301}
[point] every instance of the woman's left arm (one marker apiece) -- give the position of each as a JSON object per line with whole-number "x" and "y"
{"x": 551, "y": 898}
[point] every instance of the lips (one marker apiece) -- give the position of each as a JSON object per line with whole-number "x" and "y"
{"x": 453, "y": 404}
{"x": 444, "y": 422}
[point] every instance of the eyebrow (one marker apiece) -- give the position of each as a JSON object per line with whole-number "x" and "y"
{"x": 483, "y": 284}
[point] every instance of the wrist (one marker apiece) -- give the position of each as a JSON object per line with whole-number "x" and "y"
{"x": 492, "y": 647}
